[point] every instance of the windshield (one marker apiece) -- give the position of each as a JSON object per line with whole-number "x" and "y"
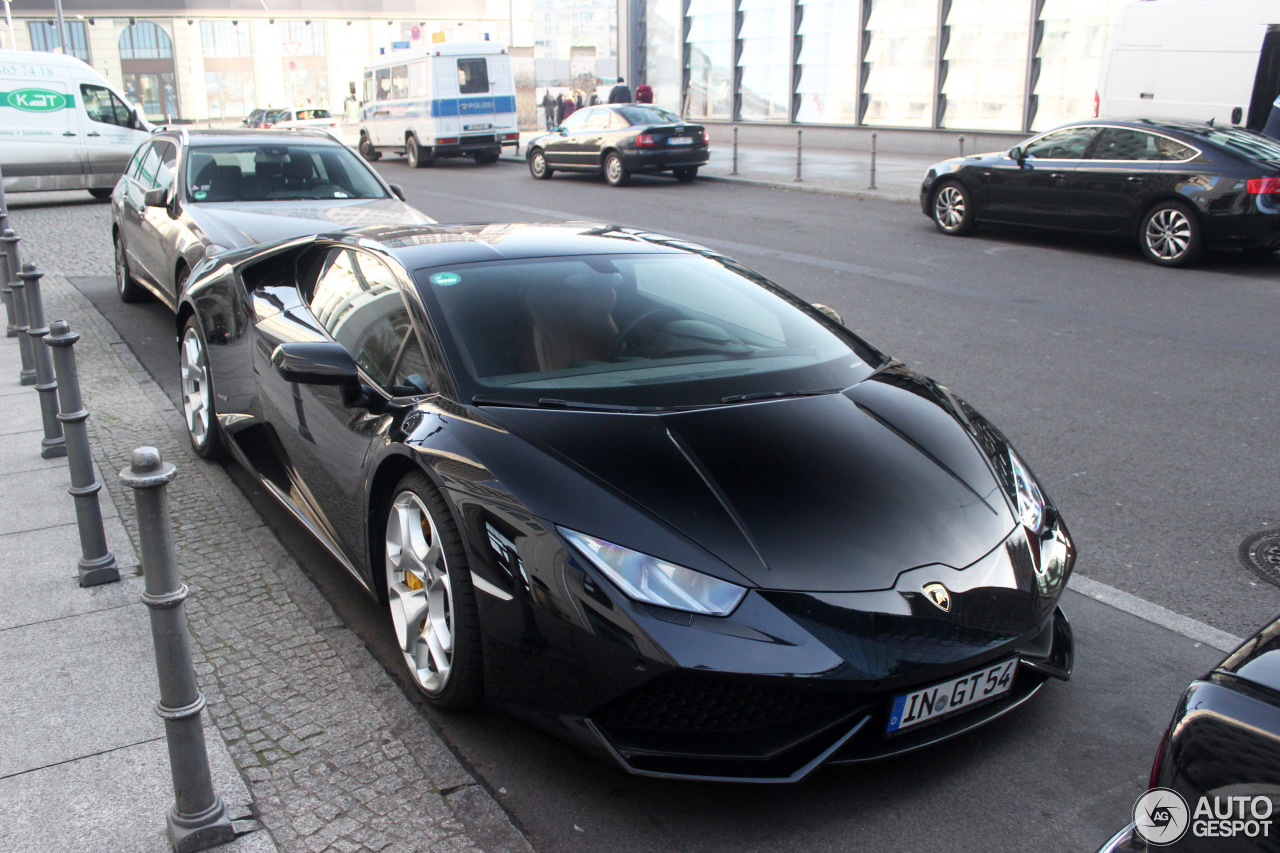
{"x": 649, "y": 115}
{"x": 663, "y": 331}
{"x": 270, "y": 171}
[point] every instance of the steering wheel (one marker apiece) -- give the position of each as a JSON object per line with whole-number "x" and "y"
{"x": 620, "y": 341}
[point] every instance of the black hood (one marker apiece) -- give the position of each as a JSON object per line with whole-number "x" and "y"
{"x": 841, "y": 492}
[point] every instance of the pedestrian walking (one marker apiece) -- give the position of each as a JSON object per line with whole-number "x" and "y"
{"x": 569, "y": 104}
{"x": 644, "y": 94}
{"x": 559, "y": 111}
{"x": 621, "y": 93}
{"x": 549, "y": 109}
{"x": 595, "y": 98}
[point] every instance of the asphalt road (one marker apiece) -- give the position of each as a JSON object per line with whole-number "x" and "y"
{"x": 1144, "y": 398}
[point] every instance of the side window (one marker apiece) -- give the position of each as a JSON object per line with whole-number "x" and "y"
{"x": 577, "y": 121}
{"x": 1172, "y": 150}
{"x": 473, "y": 76}
{"x": 360, "y": 304}
{"x": 597, "y": 120}
{"x": 132, "y": 169}
{"x": 400, "y": 81}
{"x": 149, "y": 167}
{"x": 383, "y": 76}
{"x": 104, "y": 107}
{"x": 368, "y": 86}
{"x": 1066, "y": 144}
{"x": 1123, "y": 143}
{"x": 168, "y": 156}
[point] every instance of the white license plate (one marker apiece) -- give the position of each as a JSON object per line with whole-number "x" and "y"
{"x": 920, "y": 706}
{"x": 478, "y": 127}
{"x": 680, "y": 140}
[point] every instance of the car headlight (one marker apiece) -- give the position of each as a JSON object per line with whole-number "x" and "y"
{"x": 655, "y": 581}
{"x": 1031, "y": 503}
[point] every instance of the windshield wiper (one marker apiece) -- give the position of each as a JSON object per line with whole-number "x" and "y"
{"x": 555, "y": 403}
{"x": 774, "y": 395}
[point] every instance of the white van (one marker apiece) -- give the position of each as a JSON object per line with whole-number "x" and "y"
{"x": 446, "y": 100}
{"x": 1192, "y": 59}
{"x": 62, "y": 125}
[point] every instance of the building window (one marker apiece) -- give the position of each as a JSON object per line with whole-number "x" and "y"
{"x": 766, "y": 60}
{"x": 902, "y": 58}
{"x": 309, "y": 37}
{"x": 986, "y": 61}
{"x": 223, "y": 39}
{"x": 711, "y": 36}
{"x": 664, "y": 54}
{"x": 828, "y": 85}
{"x": 230, "y": 93}
{"x": 1075, "y": 32}
{"x": 144, "y": 40}
{"x": 44, "y": 37}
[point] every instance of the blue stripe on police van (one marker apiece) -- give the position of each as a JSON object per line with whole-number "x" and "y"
{"x": 445, "y": 107}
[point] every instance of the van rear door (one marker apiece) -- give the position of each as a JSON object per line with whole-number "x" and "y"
{"x": 41, "y": 135}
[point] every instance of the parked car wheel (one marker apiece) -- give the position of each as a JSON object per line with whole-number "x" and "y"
{"x": 538, "y": 165}
{"x": 433, "y": 610}
{"x": 615, "y": 173}
{"x": 1170, "y": 235}
{"x": 126, "y": 286}
{"x": 367, "y": 151}
{"x": 197, "y": 392}
{"x": 413, "y": 154}
{"x": 686, "y": 174}
{"x": 952, "y": 209}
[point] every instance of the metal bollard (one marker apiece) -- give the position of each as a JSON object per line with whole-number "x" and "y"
{"x": 873, "y": 161}
{"x": 9, "y": 272}
{"x": 54, "y": 444}
{"x": 198, "y": 818}
{"x": 27, "y": 374}
{"x": 962, "y": 146}
{"x": 799, "y": 151}
{"x": 97, "y": 563}
{"x": 735, "y": 151}
{"x": 6, "y": 291}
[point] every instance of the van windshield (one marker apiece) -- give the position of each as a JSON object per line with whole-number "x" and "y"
{"x": 273, "y": 171}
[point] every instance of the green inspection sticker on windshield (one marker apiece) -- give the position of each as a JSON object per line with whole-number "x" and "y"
{"x": 445, "y": 279}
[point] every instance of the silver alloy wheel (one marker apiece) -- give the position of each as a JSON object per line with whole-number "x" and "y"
{"x": 122, "y": 269}
{"x": 195, "y": 386}
{"x": 613, "y": 169}
{"x": 411, "y": 151}
{"x": 1168, "y": 234}
{"x": 949, "y": 207}
{"x": 538, "y": 164}
{"x": 420, "y": 592}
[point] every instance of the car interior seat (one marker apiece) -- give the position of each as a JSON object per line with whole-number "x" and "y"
{"x": 570, "y": 321}
{"x": 219, "y": 183}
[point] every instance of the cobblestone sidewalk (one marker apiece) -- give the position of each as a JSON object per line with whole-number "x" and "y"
{"x": 335, "y": 756}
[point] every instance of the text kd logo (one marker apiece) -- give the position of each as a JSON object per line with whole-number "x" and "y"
{"x": 36, "y": 100}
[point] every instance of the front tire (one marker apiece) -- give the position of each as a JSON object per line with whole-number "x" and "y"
{"x": 431, "y": 600}
{"x": 538, "y": 165}
{"x": 367, "y": 151}
{"x": 1170, "y": 235}
{"x": 413, "y": 154}
{"x": 128, "y": 289}
{"x": 953, "y": 209}
{"x": 615, "y": 173}
{"x": 196, "y": 384}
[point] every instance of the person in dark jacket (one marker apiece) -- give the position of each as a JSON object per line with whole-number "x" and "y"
{"x": 569, "y": 104}
{"x": 644, "y": 94}
{"x": 549, "y": 109}
{"x": 620, "y": 94}
{"x": 559, "y": 110}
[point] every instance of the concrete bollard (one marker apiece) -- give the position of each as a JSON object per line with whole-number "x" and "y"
{"x": 198, "y": 818}
{"x": 873, "y": 161}
{"x": 961, "y": 146}
{"x": 799, "y": 152}
{"x": 735, "y": 151}
{"x": 97, "y": 563}
{"x": 54, "y": 444}
{"x": 18, "y": 289}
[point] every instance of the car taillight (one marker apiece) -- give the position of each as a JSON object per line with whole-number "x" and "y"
{"x": 1263, "y": 186}
{"x": 446, "y": 141}
{"x": 1097, "y": 103}
{"x": 1155, "y": 765}
{"x": 266, "y": 124}
{"x": 706, "y": 137}
{"x": 507, "y": 136}
{"x": 644, "y": 140}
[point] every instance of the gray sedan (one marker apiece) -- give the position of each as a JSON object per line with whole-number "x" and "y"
{"x": 189, "y": 193}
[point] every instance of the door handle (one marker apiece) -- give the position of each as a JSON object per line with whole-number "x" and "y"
{"x": 1057, "y": 176}
{"x": 67, "y": 133}
{"x": 95, "y": 133}
{"x": 382, "y": 112}
{"x": 1135, "y": 179}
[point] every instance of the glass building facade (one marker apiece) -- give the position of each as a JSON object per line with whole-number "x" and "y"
{"x": 981, "y": 65}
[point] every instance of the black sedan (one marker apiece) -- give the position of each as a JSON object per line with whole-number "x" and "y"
{"x": 1215, "y": 782}
{"x": 1175, "y": 187}
{"x": 189, "y": 192}
{"x": 627, "y": 488}
{"x": 619, "y": 139}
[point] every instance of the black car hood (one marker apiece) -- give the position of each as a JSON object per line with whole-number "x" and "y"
{"x": 841, "y": 492}
{"x": 237, "y": 225}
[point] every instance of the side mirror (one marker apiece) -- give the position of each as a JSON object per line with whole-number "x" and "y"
{"x": 158, "y": 197}
{"x": 1236, "y": 114}
{"x": 1015, "y": 153}
{"x": 829, "y": 311}
{"x": 315, "y": 363}
{"x": 397, "y": 191}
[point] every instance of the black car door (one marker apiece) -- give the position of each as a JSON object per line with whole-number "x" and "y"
{"x": 1034, "y": 188}
{"x": 564, "y": 150}
{"x": 360, "y": 303}
{"x": 1123, "y": 169}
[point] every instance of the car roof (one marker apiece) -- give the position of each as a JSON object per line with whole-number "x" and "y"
{"x": 196, "y": 137}
{"x": 419, "y": 246}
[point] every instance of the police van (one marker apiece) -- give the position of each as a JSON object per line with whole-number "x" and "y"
{"x": 1192, "y": 59}
{"x": 62, "y": 125}
{"x": 447, "y": 100}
